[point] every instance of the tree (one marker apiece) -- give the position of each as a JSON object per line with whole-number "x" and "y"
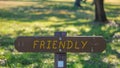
{"x": 100, "y": 15}
{"x": 77, "y": 3}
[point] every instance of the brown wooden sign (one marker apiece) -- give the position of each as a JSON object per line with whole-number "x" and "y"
{"x": 60, "y": 44}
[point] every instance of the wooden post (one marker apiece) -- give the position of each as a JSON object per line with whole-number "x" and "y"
{"x": 60, "y": 58}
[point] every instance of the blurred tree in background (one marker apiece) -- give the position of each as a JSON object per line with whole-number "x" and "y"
{"x": 100, "y": 15}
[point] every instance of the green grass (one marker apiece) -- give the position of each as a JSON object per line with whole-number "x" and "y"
{"x": 43, "y": 18}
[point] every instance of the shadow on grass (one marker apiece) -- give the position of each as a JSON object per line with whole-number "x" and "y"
{"x": 113, "y": 12}
{"x": 48, "y": 11}
{"x": 102, "y": 60}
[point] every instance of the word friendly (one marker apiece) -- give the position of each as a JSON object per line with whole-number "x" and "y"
{"x": 55, "y": 44}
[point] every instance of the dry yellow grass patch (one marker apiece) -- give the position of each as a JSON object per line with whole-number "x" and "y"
{"x": 9, "y": 4}
{"x": 116, "y": 2}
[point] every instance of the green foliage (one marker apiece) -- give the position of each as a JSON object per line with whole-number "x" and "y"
{"x": 43, "y": 18}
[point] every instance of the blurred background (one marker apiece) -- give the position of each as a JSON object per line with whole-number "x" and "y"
{"x": 44, "y": 17}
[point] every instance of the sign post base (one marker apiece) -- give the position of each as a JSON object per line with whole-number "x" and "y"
{"x": 60, "y": 60}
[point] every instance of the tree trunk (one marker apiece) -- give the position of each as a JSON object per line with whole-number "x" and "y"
{"x": 77, "y": 3}
{"x": 100, "y": 15}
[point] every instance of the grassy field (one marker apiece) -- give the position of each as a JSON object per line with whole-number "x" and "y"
{"x": 43, "y": 18}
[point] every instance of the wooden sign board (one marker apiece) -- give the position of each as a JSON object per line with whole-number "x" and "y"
{"x": 60, "y": 44}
